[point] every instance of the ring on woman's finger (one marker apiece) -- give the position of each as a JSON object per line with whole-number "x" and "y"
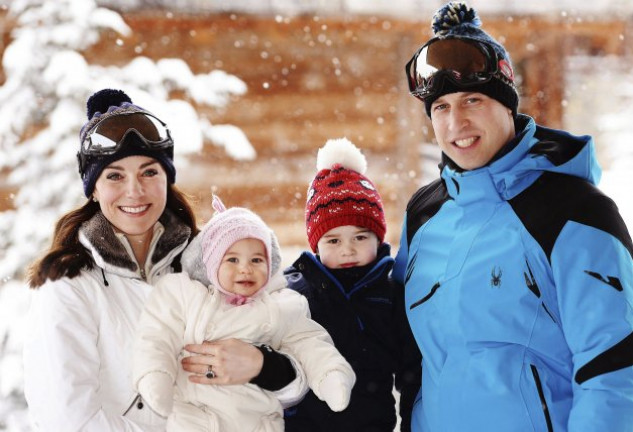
{"x": 210, "y": 374}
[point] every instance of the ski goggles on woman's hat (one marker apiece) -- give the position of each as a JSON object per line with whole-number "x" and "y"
{"x": 463, "y": 61}
{"x": 112, "y": 130}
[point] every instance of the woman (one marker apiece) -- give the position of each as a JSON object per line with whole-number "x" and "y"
{"x": 93, "y": 282}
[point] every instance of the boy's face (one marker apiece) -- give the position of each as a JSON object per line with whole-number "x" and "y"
{"x": 244, "y": 267}
{"x": 347, "y": 246}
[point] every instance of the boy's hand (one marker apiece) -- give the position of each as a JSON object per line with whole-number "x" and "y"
{"x": 335, "y": 389}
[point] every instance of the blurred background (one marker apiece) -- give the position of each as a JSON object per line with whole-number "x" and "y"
{"x": 252, "y": 88}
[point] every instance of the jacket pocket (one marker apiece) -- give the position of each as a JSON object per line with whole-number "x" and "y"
{"x": 137, "y": 400}
{"x": 541, "y": 395}
{"x": 426, "y": 297}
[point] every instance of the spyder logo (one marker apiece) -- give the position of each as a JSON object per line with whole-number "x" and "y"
{"x": 495, "y": 277}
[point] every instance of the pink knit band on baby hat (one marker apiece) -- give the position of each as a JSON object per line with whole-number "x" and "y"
{"x": 340, "y": 194}
{"x": 225, "y": 228}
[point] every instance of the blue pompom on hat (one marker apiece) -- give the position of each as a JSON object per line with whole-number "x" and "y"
{"x": 457, "y": 19}
{"x": 115, "y": 102}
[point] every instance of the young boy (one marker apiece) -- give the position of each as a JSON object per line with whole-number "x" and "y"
{"x": 350, "y": 293}
{"x": 234, "y": 256}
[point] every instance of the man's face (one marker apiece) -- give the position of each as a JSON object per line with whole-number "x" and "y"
{"x": 470, "y": 128}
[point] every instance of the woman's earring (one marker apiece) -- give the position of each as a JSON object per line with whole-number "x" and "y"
{"x": 94, "y": 198}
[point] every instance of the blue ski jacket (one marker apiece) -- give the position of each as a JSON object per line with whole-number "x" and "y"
{"x": 519, "y": 290}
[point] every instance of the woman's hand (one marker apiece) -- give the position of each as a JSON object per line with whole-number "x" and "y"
{"x": 231, "y": 360}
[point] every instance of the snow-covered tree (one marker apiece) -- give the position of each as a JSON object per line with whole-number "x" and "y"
{"x": 42, "y": 108}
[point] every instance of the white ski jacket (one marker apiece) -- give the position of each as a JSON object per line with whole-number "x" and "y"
{"x": 78, "y": 344}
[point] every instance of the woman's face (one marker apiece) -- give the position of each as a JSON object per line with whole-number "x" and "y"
{"x": 132, "y": 194}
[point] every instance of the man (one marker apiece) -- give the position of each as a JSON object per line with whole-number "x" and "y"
{"x": 518, "y": 270}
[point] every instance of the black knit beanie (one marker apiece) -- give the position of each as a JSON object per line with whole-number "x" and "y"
{"x": 117, "y": 103}
{"x": 456, "y": 19}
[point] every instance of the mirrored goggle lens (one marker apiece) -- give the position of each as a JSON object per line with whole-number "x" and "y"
{"x": 467, "y": 63}
{"x": 110, "y": 133}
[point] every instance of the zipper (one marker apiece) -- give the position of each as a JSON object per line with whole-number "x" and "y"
{"x": 541, "y": 395}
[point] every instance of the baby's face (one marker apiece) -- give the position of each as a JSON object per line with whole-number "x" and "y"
{"x": 244, "y": 267}
{"x": 347, "y": 246}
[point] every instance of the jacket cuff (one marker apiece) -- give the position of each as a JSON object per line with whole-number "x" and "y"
{"x": 277, "y": 370}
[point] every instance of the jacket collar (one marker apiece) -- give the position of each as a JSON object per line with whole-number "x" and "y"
{"x": 112, "y": 252}
{"x": 310, "y": 265}
{"x": 518, "y": 164}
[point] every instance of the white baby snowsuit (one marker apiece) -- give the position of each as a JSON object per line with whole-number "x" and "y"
{"x": 183, "y": 311}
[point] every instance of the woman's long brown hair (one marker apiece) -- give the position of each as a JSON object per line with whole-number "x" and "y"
{"x": 67, "y": 256}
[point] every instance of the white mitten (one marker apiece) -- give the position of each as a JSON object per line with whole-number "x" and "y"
{"x": 157, "y": 390}
{"x": 335, "y": 389}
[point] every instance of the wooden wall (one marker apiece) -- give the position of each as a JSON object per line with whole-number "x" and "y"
{"x": 312, "y": 79}
{"x": 308, "y": 80}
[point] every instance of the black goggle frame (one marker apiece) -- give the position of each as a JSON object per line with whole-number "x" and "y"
{"x": 97, "y": 145}
{"x": 425, "y": 79}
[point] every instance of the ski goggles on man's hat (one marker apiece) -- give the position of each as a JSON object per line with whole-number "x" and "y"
{"x": 465, "y": 62}
{"x": 112, "y": 130}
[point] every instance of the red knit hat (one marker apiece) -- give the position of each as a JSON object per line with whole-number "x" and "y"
{"x": 341, "y": 195}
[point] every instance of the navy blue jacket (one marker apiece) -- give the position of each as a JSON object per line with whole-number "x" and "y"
{"x": 365, "y": 317}
{"x": 519, "y": 291}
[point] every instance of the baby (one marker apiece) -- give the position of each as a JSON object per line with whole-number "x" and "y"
{"x": 231, "y": 289}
